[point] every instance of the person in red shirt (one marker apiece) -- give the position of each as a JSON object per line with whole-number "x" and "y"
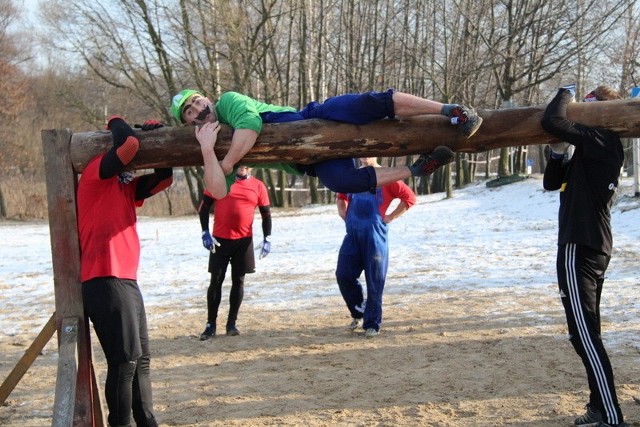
{"x": 233, "y": 243}
{"x": 366, "y": 248}
{"x": 109, "y": 255}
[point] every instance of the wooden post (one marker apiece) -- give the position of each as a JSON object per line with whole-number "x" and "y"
{"x": 73, "y": 403}
{"x": 66, "y": 384}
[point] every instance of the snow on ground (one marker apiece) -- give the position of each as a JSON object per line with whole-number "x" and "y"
{"x": 483, "y": 239}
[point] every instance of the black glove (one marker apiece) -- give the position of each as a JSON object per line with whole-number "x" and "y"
{"x": 149, "y": 125}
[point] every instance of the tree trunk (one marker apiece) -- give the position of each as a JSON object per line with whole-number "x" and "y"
{"x": 313, "y": 190}
{"x": 267, "y": 177}
{"x": 282, "y": 193}
{"x": 3, "y": 209}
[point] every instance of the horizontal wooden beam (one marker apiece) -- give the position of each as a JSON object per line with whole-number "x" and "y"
{"x": 310, "y": 141}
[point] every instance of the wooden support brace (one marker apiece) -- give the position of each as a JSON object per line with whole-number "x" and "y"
{"x": 28, "y": 358}
{"x": 100, "y": 417}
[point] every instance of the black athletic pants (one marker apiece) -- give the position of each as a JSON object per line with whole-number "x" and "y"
{"x": 116, "y": 309}
{"x": 238, "y": 253}
{"x": 580, "y": 278}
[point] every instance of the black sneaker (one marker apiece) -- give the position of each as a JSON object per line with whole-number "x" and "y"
{"x": 429, "y": 163}
{"x": 465, "y": 117}
{"x": 591, "y": 418}
{"x": 209, "y": 332}
{"x": 603, "y": 424}
{"x": 232, "y": 331}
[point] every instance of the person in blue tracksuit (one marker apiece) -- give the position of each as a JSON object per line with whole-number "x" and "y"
{"x": 366, "y": 248}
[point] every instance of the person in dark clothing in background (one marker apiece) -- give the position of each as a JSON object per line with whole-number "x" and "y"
{"x": 587, "y": 182}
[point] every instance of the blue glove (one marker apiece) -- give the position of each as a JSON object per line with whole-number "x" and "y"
{"x": 265, "y": 247}
{"x": 209, "y": 242}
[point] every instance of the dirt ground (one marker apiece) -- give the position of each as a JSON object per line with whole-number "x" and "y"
{"x": 455, "y": 358}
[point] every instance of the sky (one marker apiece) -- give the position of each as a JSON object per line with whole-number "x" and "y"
{"x": 501, "y": 238}
{"x": 29, "y": 8}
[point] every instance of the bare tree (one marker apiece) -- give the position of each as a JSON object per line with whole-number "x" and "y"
{"x": 532, "y": 41}
{"x": 627, "y": 53}
{"x": 12, "y": 84}
{"x": 122, "y": 43}
{"x": 13, "y": 89}
{"x": 483, "y": 53}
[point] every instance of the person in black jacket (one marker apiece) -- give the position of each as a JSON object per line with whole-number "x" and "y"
{"x": 588, "y": 182}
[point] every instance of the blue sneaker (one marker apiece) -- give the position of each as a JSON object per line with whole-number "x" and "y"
{"x": 371, "y": 333}
{"x": 355, "y": 324}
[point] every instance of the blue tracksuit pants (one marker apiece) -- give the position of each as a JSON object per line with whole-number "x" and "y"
{"x": 342, "y": 175}
{"x": 365, "y": 248}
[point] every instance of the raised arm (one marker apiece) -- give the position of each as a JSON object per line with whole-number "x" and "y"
{"x": 125, "y": 147}
{"x": 214, "y": 180}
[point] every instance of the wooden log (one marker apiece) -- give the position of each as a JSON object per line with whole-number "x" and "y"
{"x": 310, "y": 141}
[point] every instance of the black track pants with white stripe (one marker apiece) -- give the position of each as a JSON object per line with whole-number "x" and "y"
{"x": 580, "y": 277}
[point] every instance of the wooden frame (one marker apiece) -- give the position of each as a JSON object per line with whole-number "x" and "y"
{"x": 77, "y": 396}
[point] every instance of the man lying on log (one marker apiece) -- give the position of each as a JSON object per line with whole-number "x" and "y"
{"x": 246, "y": 116}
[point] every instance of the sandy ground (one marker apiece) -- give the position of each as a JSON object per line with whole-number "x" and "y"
{"x": 457, "y": 358}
